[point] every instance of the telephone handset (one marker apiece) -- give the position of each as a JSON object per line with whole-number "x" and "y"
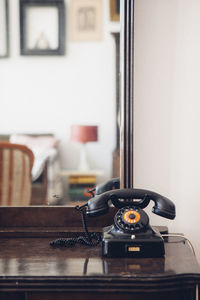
{"x": 99, "y": 204}
{"x": 111, "y": 184}
{"x": 131, "y": 234}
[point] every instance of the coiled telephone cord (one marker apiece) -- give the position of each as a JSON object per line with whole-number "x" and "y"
{"x": 90, "y": 239}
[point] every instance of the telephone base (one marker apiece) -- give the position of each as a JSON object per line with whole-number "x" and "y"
{"x": 146, "y": 244}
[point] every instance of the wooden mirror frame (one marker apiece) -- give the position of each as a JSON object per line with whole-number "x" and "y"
{"x": 127, "y": 93}
{"x": 35, "y": 220}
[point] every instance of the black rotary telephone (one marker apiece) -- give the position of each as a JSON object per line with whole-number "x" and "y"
{"x": 131, "y": 234}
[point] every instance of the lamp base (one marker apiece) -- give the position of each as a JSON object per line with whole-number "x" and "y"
{"x": 83, "y": 164}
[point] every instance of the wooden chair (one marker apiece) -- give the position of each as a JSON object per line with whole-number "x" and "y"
{"x": 16, "y": 162}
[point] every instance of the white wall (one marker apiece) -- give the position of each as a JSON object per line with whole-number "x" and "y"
{"x": 167, "y": 107}
{"x": 48, "y": 94}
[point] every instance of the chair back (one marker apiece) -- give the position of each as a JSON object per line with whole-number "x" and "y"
{"x": 16, "y": 162}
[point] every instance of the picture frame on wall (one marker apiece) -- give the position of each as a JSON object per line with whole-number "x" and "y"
{"x": 4, "y": 29}
{"x": 86, "y": 20}
{"x": 42, "y": 27}
{"x": 115, "y": 10}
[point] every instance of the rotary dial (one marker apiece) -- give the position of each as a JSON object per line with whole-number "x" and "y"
{"x": 131, "y": 219}
{"x": 131, "y": 216}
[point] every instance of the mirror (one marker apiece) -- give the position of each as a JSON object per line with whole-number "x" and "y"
{"x": 61, "y": 72}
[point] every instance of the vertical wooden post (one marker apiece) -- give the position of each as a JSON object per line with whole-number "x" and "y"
{"x": 126, "y": 92}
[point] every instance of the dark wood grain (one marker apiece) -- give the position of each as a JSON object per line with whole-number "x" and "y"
{"x": 39, "y": 216}
{"x": 31, "y": 232}
{"x": 12, "y": 296}
{"x": 31, "y": 264}
{"x": 106, "y": 296}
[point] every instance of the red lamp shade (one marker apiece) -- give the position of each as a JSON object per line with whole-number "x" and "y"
{"x": 83, "y": 133}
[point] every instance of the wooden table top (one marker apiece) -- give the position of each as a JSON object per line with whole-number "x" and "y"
{"x": 28, "y": 262}
{"x": 33, "y": 263}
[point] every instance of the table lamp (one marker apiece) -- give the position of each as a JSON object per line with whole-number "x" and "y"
{"x": 83, "y": 134}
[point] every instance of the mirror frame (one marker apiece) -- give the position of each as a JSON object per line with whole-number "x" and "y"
{"x": 127, "y": 92}
{"x": 36, "y": 219}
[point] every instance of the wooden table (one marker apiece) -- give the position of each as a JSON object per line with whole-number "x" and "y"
{"x": 31, "y": 269}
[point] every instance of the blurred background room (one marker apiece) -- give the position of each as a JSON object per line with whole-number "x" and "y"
{"x": 59, "y": 67}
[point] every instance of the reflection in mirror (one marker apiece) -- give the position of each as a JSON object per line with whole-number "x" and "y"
{"x": 46, "y": 90}
{"x": 4, "y": 28}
